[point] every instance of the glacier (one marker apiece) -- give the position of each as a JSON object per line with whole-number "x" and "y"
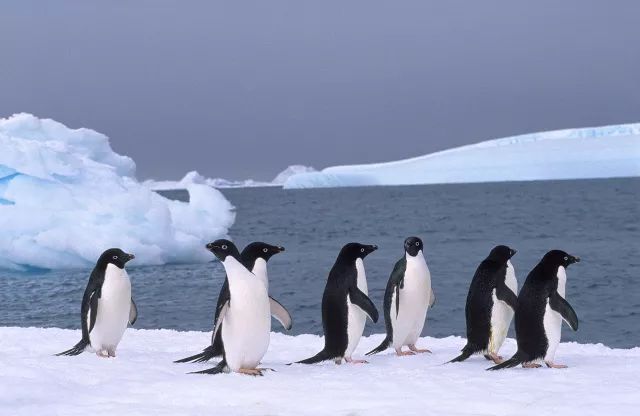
{"x": 65, "y": 196}
{"x": 143, "y": 380}
{"x": 582, "y": 153}
{"x": 194, "y": 177}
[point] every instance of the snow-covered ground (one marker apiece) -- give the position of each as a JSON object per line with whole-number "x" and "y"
{"x": 65, "y": 196}
{"x": 598, "y": 152}
{"x": 142, "y": 380}
{"x": 194, "y": 177}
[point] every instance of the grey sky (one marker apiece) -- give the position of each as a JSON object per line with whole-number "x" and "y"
{"x": 241, "y": 89}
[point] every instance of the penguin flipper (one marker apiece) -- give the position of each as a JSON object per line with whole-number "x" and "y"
{"x": 280, "y": 313}
{"x": 432, "y": 299}
{"x": 560, "y": 305}
{"x": 363, "y": 302}
{"x": 223, "y": 311}
{"x": 221, "y": 367}
{"x": 133, "y": 313}
{"x": 507, "y": 296}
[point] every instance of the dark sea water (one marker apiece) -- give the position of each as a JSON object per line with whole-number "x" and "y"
{"x": 597, "y": 220}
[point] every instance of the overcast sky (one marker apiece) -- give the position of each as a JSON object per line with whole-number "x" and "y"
{"x": 240, "y": 89}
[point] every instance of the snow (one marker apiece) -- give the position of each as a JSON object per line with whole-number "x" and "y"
{"x": 597, "y": 152}
{"x": 65, "y": 196}
{"x": 194, "y": 177}
{"x": 143, "y": 380}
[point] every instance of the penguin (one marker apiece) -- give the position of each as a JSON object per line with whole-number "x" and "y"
{"x": 540, "y": 308}
{"x": 345, "y": 306}
{"x": 254, "y": 257}
{"x": 246, "y": 315}
{"x": 491, "y": 303}
{"x": 107, "y": 306}
{"x": 407, "y": 298}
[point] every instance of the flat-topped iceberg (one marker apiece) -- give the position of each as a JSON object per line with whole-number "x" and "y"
{"x": 598, "y": 152}
{"x": 65, "y": 196}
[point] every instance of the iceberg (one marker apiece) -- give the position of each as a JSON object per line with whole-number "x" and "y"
{"x": 143, "y": 380}
{"x": 65, "y": 196}
{"x": 583, "y": 153}
{"x": 194, "y": 177}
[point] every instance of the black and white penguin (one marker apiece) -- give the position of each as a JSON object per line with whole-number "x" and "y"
{"x": 491, "y": 303}
{"x": 406, "y": 300}
{"x": 541, "y": 309}
{"x": 345, "y": 305}
{"x": 246, "y": 315}
{"x": 107, "y": 306}
{"x": 254, "y": 257}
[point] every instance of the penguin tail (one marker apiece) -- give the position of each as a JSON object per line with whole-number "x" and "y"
{"x": 206, "y": 354}
{"x": 319, "y": 357}
{"x": 76, "y": 350}
{"x": 518, "y": 358}
{"x": 220, "y": 368}
{"x": 383, "y": 346}
{"x": 467, "y": 352}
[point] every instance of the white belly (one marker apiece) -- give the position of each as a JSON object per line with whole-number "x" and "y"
{"x": 260, "y": 271}
{"x": 414, "y": 302}
{"x": 553, "y": 320}
{"x": 356, "y": 317}
{"x": 552, "y": 327}
{"x": 113, "y": 310}
{"x": 501, "y": 313}
{"x": 247, "y": 324}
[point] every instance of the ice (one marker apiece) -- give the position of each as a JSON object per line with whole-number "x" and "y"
{"x": 598, "y": 152}
{"x": 194, "y": 177}
{"x": 65, "y": 196}
{"x": 142, "y": 380}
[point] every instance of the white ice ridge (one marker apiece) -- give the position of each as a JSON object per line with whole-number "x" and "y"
{"x": 583, "y": 153}
{"x": 65, "y": 196}
{"x": 143, "y": 380}
{"x": 194, "y": 177}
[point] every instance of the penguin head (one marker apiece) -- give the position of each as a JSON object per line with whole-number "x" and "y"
{"x": 115, "y": 256}
{"x": 560, "y": 258}
{"x": 223, "y": 248}
{"x": 260, "y": 250}
{"x": 501, "y": 253}
{"x": 412, "y": 246}
{"x": 353, "y": 251}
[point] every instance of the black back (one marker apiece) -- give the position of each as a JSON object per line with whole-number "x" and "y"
{"x": 541, "y": 283}
{"x": 342, "y": 279}
{"x": 489, "y": 275}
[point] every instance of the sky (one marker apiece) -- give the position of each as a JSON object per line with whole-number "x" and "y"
{"x": 242, "y": 89}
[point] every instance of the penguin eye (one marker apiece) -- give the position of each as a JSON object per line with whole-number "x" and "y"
{"x": 417, "y": 243}
{"x": 566, "y": 258}
{"x": 265, "y": 249}
{"x": 224, "y": 246}
{"x": 362, "y": 250}
{"x": 115, "y": 257}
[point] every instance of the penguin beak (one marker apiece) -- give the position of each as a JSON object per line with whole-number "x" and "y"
{"x": 211, "y": 247}
{"x": 280, "y": 249}
{"x": 576, "y": 259}
{"x": 130, "y": 257}
{"x": 513, "y": 252}
{"x": 373, "y": 248}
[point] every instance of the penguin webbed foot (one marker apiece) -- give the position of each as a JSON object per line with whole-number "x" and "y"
{"x": 401, "y": 353}
{"x": 352, "y": 361}
{"x": 497, "y": 359}
{"x": 255, "y": 372}
{"x": 551, "y": 364}
{"x": 417, "y": 350}
{"x": 531, "y": 365}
